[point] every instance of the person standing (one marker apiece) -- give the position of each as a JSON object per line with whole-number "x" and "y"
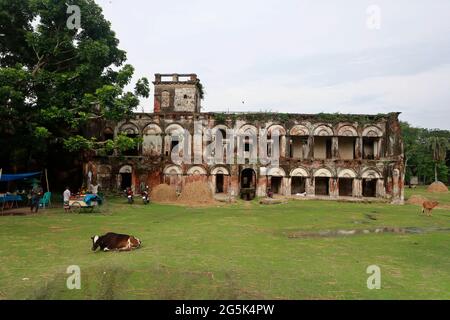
{"x": 66, "y": 198}
{"x": 145, "y": 195}
{"x": 94, "y": 188}
{"x": 36, "y": 195}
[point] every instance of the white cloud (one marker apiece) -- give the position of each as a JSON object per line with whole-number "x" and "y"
{"x": 296, "y": 56}
{"x": 422, "y": 98}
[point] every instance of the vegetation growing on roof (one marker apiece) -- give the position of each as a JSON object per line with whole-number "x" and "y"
{"x": 332, "y": 118}
{"x": 201, "y": 90}
{"x": 342, "y": 117}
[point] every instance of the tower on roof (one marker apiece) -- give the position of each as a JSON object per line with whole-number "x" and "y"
{"x": 177, "y": 93}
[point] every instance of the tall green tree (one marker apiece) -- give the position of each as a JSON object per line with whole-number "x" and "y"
{"x": 438, "y": 147}
{"x": 54, "y": 79}
{"x": 419, "y": 154}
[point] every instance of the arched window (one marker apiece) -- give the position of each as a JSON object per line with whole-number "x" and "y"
{"x": 174, "y": 137}
{"x": 152, "y": 140}
{"x": 323, "y": 142}
{"x": 165, "y": 99}
{"x": 132, "y": 131}
{"x": 347, "y": 140}
{"x": 299, "y": 142}
{"x": 108, "y": 133}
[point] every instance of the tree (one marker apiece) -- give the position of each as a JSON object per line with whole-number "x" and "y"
{"x": 410, "y": 139}
{"x": 54, "y": 79}
{"x": 418, "y": 158}
{"x": 438, "y": 146}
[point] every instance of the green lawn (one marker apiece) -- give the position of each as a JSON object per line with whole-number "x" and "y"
{"x": 239, "y": 251}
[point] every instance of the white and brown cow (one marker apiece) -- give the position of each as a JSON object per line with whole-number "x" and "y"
{"x": 115, "y": 241}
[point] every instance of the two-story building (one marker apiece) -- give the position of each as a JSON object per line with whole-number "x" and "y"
{"x": 320, "y": 155}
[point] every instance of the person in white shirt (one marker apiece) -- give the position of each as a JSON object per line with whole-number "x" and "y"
{"x": 66, "y": 196}
{"x": 94, "y": 188}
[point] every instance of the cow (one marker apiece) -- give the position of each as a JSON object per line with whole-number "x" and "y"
{"x": 428, "y": 206}
{"x": 115, "y": 241}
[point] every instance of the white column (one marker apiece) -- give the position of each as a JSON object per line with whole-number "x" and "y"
{"x": 357, "y": 187}
{"x": 310, "y": 186}
{"x": 380, "y": 191}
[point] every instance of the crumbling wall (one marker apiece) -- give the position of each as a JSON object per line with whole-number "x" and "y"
{"x": 148, "y": 167}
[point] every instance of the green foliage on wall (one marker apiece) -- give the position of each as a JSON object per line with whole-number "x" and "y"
{"x": 267, "y": 116}
{"x": 120, "y": 144}
{"x": 361, "y": 119}
{"x": 201, "y": 90}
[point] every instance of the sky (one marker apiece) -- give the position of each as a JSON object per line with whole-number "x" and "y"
{"x": 303, "y": 56}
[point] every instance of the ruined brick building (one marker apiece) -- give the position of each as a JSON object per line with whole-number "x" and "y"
{"x": 321, "y": 155}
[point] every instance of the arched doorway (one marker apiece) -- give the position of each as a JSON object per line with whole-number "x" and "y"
{"x": 346, "y": 180}
{"x": 125, "y": 177}
{"x": 248, "y": 178}
{"x": 220, "y": 179}
{"x": 248, "y": 184}
{"x": 219, "y": 183}
{"x": 298, "y": 181}
{"x": 322, "y": 178}
{"x": 276, "y": 178}
{"x": 370, "y": 178}
{"x": 369, "y": 188}
{"x": 173, "y": 175}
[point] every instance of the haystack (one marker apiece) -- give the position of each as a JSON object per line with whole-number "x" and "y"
{"x": 163, "y": 193}
{"x": 416, "y": 199}
{"x": 437, "y": 187}
{"x": 197, "y": 192}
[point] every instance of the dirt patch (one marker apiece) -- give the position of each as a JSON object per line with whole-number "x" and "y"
{"x": 163, "y": 193}
{"x": 18, "y": 212}
{"x": 224, "y": 197}
{"x": 272, "y": 201}
{"x": 371, "y": 216}
{"x": 417, "y": 200}
{"x": 437, "y": 187}
{"x": 197, "y": 192}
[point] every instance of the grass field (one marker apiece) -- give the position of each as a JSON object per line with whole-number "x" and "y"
{"x": 239, "y": 251}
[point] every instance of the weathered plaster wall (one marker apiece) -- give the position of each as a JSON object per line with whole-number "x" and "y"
{"x": 346, "y": 148}
{"x": 320, "y": 150}
{"x": 155, "y": 129}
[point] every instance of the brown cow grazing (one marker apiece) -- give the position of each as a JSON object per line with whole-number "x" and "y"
{"x": 115, "y": 241}
{"x": 428, "y": 206}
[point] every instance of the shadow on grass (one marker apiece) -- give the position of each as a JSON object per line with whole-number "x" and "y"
{"x": 155, "y": 283}
{"x": 99, "y": 284}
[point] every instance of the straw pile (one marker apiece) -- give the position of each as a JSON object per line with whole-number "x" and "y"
{"x": 417, "y": 200}
{"x": 437, "y": 187}
{"x": 197, "y": 192}
{"x": 163, "y": 193}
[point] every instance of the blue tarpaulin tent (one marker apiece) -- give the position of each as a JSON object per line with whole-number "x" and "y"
{"x": 17, "y": 176}
{"x": 8, "y": 200}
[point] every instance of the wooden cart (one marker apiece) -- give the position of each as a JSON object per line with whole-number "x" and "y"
{"x": 79, "y": 205}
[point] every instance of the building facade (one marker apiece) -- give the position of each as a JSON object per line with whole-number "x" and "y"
{"x": 322, "y": 155}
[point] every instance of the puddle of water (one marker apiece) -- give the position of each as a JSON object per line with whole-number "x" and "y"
{"x": 351, "y": 232}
